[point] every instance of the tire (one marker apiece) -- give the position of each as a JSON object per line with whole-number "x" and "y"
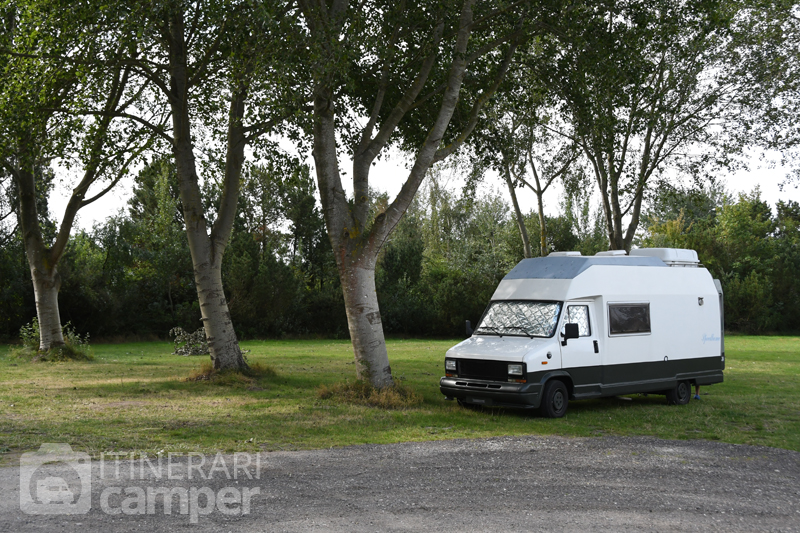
{"x": 554, "y": 400}
{"x": 681, "y": 394}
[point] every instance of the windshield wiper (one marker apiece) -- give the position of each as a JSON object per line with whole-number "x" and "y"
{"x": 520, "y": 328}
{"x": 497, "y": 331}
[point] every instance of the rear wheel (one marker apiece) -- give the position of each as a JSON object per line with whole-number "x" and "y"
{"x": 554, "y": 400}
{"x": 680, "y": 394}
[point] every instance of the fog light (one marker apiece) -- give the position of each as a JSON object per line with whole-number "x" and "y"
{"x": 450, "y": 364}
{"x": 514, "y": 370}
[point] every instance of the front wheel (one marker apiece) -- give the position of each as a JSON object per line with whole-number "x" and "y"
{"x": 554, "y": 400}
{"x": 680, "y": 394}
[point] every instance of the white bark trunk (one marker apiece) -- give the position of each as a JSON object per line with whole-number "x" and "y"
{"x": 222, "y": 341}
{"x": 542, "y": 229}
{"x": 366, "y": 329}
{"x": 223, "y": 345}
{"x": 45, "y": 287}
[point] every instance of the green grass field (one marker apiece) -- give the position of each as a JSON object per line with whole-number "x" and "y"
{"x": 132, "y": 398}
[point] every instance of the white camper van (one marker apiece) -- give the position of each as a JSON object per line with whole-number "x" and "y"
{"x": 571, "y": 327}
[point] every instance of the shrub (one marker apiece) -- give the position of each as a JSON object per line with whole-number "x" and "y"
{"x": 189, "y": 343}
{"x": 76, "y": 348}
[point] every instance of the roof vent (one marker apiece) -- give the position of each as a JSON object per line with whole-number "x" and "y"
{"x": 675, "y": 257}
{"x": 564, "y": 254}
{"x": 611, "y": 253}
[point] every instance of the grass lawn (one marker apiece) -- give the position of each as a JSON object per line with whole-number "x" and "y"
{"x": 132, "y": 398}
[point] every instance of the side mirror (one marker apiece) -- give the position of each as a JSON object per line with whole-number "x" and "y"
{"x": 571, "y": 331}
{"x": 469, "y": 329}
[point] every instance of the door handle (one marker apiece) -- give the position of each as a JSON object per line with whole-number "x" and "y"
{"x": 596, "y": 347}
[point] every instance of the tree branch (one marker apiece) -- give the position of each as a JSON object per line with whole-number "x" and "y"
{"x": 383, "y": 227}
{"x": 477, "y": 107}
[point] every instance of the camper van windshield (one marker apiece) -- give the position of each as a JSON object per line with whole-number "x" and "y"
{"x": 531, "y": 319}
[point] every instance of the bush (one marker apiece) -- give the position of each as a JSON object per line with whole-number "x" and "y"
{"x": 76, "y": 348}
{"x": 189, "y": 343}
{"x": 749, "y": 305}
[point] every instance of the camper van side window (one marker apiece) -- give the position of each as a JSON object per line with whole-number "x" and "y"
{"x": 579, "y": 314}
{"x": 625, "y": 319}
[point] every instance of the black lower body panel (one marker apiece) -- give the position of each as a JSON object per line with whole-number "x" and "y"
{"x": 649, "y": 377}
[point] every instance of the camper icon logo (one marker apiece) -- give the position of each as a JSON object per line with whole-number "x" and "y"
{"x": 55, "y": 480}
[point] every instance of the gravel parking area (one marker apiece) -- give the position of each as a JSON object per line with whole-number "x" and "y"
{"x": 499, "y": 484}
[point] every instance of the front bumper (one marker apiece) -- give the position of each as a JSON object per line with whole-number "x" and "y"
{"x": 492, "y": 393}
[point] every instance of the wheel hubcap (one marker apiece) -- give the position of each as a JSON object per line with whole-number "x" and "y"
{"x": 558, "y": 400}
{"x": 683, "y": 390}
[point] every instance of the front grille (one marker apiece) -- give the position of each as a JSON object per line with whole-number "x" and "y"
{"x": 478, "y": 369}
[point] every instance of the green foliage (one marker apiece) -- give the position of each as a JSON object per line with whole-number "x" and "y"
{"x": 279, "y": 269}
{"x": 132, "y": 276}
{"x": 17, "y": 302}
{"x": 29, "y": 335}
{"x": 753, "y": 253}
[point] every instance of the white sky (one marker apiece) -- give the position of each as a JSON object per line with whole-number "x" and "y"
{"x": 389, "y": 173}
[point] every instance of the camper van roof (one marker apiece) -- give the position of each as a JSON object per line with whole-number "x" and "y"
{"x": 569, "y": 267}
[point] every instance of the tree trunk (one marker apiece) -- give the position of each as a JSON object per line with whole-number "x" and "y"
{"x": 206, "y": 250}
{"x": 223, "y": 345}
{"x": 45, "y": 286}
{"x": 364, "y": 321}
{"x": 355, "y": 255}
{"x": 45, "y": 277}
{"x": 523, "y": 232}
{"x": 355, "y": 242}
{"x": 542, "y": 229}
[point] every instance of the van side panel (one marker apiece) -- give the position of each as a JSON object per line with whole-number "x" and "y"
{"x": 684, "y": 342}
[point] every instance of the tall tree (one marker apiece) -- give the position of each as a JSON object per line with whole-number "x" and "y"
{"x": 208, "y": 60}
{"x": 384, "y": 72}
{"x": 56, "y": 105}
{"x": 641, "y": 82}
{"x": 768, "y": 72}
{"x": 524, "y": 141}
{"x": 532, "y": 155}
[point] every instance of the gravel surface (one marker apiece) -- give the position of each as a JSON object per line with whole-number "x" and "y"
{"x": 498, "y": 484}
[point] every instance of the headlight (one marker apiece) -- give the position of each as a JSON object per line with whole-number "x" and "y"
{"x": 514, "y": 370}
{"x": 450, "y": 364}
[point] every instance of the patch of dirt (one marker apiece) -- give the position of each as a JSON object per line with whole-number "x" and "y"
{"x": 118, "y": 405}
